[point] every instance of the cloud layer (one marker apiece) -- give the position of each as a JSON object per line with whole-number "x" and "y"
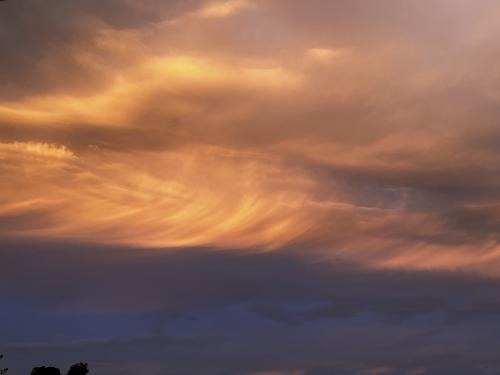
{"x": 326, "y": 171}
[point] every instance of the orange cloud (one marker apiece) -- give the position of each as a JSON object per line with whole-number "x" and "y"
{"x": 112, "y": 105}
{"x": 196, "y": 197}
{"x": 224, "y": 8}
{"x": 216, "y": 136}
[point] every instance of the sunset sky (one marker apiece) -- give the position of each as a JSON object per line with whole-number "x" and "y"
{"x": 250, "y": 187}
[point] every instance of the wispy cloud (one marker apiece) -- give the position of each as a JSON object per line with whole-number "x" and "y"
{"x": 223, "y": 8}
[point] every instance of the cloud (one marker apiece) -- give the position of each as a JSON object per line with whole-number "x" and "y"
{"x": 165, "y": 206}
{"x": 124, "y": 309}
{"x": 221, "y": 9}
{"x": 35, "y": 150}
{"x": 392, "y": 192}
{"x": 184, "y": 281}
{"x": 325, "y": 172}
{"x": 299, "y": 372}
{"x": 168, "y": 78}
{"x": 322, "y": 55}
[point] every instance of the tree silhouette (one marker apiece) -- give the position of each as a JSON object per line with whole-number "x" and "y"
{"x": 3, "y": 371}
{"x": 45, "y": 371}
{"x": 78, "y": 369}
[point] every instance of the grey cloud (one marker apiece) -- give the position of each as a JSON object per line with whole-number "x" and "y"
{"x": 355, "y": 347}
{"x": 113, "y": 279}
{"x": 299, "y": 312}
{"x": 40, "y": 39}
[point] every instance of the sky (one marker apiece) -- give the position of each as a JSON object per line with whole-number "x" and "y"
{"x": 250, "y": 187}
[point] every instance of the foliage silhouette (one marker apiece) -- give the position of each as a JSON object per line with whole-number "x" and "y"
{"x": 78, "y": 369}
{"x": 3, "y": 371}
{"x": 45, "y": 371}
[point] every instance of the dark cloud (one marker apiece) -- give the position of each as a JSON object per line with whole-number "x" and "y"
{"x": 49, "y": 46}
{"x": 318, "y": 317}
{"x": 177, "y": 281}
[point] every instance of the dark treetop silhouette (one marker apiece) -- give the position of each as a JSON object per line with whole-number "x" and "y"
{"x": 76, "y": 369}
{"x": 45, "y": 371}
{"x": 3, "y": 371}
